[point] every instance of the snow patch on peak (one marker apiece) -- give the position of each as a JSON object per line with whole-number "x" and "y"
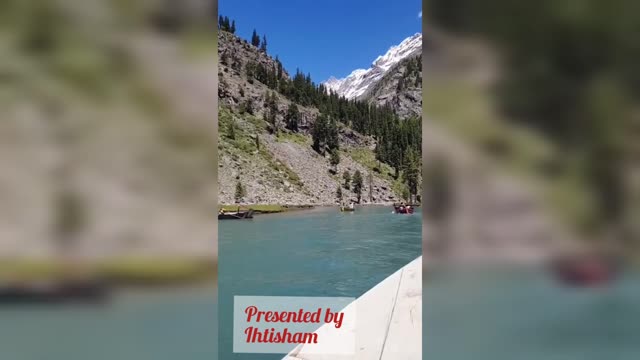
{"x": 357, "y": 83}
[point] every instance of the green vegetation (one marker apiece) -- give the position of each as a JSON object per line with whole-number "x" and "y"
{"x": 517, "y": 150}
{"x": 367, "y": 158}
{"x": 279, "y": 166}
{"x": 264, "y": 208}
{"x": 270, "y": 114}
{"x": 240, "y": 192}
{"x": 255, "y": 39}
{"x": 325, "y": 135}
{"x": 346, "y": 176}
{"x": 296, "y": 138}
{"x": 570, "y": 73}
{"x": 335, "y": 160}
{"x": 293, "y": 117}
{"x": 357, "y": 184}
{"x": 226, "y": 25}
{"x": 157, "y": 271}
{"x": 120, "y": 270}
{"x": 245, "y": 144}
{"x": 237, "y": 136}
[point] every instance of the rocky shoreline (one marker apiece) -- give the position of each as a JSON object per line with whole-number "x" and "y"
{"x": 277, "y": 208}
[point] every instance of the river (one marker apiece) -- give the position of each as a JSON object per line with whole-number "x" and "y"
{"x": 137, "y": 325}
{"x": 320, "y": 252}
{"x": 516, "y": 313}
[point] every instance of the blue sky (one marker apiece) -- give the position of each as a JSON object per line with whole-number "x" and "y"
{"x": 326, "y": 37}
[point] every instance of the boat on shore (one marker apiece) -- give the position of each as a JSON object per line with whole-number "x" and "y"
{"x": 235, "y": 215}
{"x": 85, "y": 291}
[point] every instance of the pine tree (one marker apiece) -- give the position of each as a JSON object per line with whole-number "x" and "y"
{"x": 319, "y": 134}
{"x": 293, "y": 114}
{"x": 263, "y": 45}
{"x": 255, "y": 39}
{"x": 406, "y": 195}
{"x": 370, "y": 181}
{"x": 357, "y": 184}
{"x": 240, "y": 192}
{"x": 231, "y": 130}
{"x": 271, "y": 103}
{"x": 221, "y": 23}
{"x": 247, "y": 107}
{"x": 334, "y": 160}
{"x": 339, "y": 193}
{"x": 347, "y": 180}
{"x": 227, "y": 25}
{"x": 280, "y": 71}
{"x": 233, "y": 27}
{"x": 332, "y": 135}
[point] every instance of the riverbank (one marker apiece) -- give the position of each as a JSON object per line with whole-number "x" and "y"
{"x": 277, "y": 208}
{"x": 265, "y": 208}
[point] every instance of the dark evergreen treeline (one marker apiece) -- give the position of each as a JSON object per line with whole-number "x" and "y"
{"x": 225, "y": 25}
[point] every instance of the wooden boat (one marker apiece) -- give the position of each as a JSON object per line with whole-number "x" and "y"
{"x": 585, "y": 271}
{"x": 88, "y": 291}
{"x": 347, "y": 209}
{"x": 399, "y": 209}
{"x": 236, "y": 215}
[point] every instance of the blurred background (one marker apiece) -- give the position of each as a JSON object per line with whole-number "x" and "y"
{"x": 532, "y": 114}
{"x": 107, "y": 193}
{"x": 108, "y": 185}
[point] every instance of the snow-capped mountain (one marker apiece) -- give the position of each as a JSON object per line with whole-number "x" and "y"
{"x": 357, "y": 83}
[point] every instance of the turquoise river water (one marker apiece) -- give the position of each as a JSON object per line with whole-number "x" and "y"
{"x": 321, "y": 252}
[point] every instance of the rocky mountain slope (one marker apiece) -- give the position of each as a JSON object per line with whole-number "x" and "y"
{"x": 361, "y": 80}
{"x": 400, "y": 88}
{"x": 281, "y": 167}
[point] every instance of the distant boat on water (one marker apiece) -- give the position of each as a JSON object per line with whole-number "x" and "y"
{"x": 586, "y": 271}
{"x": 403, "y": 209}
